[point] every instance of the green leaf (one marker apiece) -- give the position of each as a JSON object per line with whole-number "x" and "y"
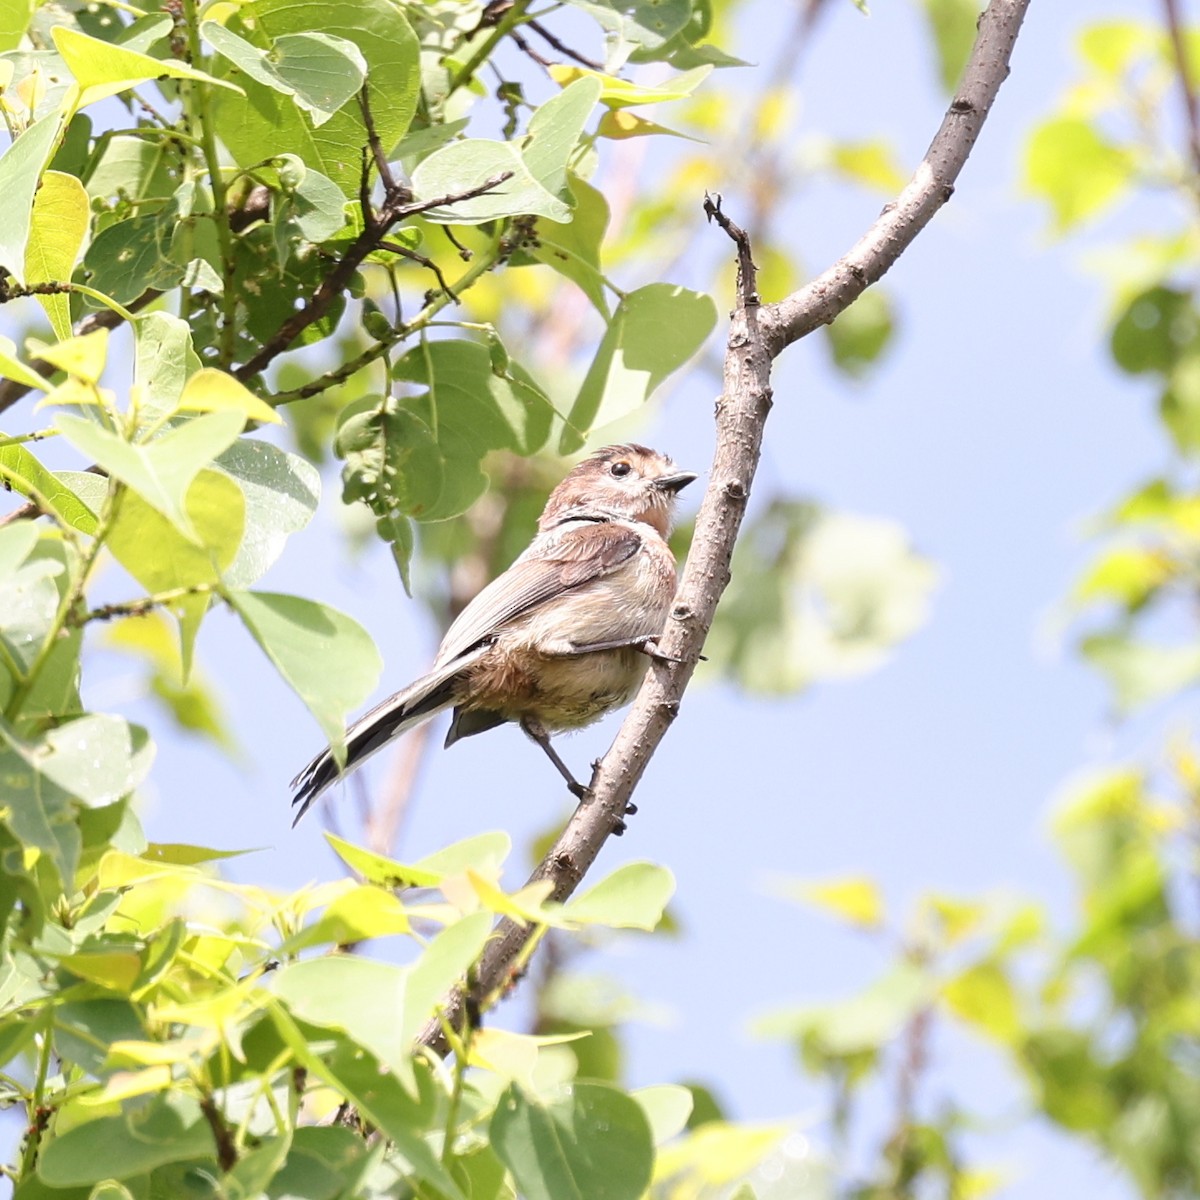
{"x": 817, "y": 596}
{"x": 554, "y": 132}
{"x": 1158, "y": 327}
{"x": 14, "y": 20}
{"x": 588, "y": 1141}
{"x": 492, "y": 410}
{"x": 872, "y": 164}
{"x": 11, "y": 367}
{"x": 29, "y": 600}
{"x": 648, "y": 24}
{"x": 1070, "y": 164}
{"x": 952, "y": 23}
{"x": 266, "y": 124}
{"x": 326, "y": 658}
{"x": 82, "y": 357}
{"x": 859, "y": 1024}
{"x": 862, "y": 332}
{"x": 21, "y": 471}
{"x": 984, "y": 996}
{"x": 853, "y": 898}
{"x": 165, "y": 358}
{"x": 161, "y": 471}
{"x": 667, "y": 1108}
{"x": 321, "y": 71}
{"x": 622, "y": 93}
{"x": 93, "y": 760}
{"x": 324, "y": 71}
{"x": 313, "y": 207}
{"x": 161, "y": 559}
{"x": 468, "y": 164}
{"x": 653, "y": 332}
{"x": 210, "y": 390}
{"x": 632, "y": 897}
{"x": 127, "y": 258}
{"x": 58, "y": 225}
{"x": 394, "y": 464}
{"x": 281, "y": 493}
{"x": 382, "y": 1006}
{"x": 484, "y": 852}
{"x": 21, "y": 169}
{"x": 1142, "y": 672}
{"x": 169, "y": 1129}
{"x": 102, "y": 69}
{"x": 573, "y": 249}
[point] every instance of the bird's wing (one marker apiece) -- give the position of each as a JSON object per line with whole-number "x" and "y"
{"x": 558, "y": 561}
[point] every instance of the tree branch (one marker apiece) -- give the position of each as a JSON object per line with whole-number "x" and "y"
{"x": 395, "y": 207}
{"x": 757, "y": 336}
{"x": 932, "y": 184}
{"x": 1187, "y": 91}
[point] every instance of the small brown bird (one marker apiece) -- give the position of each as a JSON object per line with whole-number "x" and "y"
{"x": 562, "y": 636}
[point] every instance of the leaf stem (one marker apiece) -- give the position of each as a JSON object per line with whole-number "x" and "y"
{"x": 38, "y": 1115}
{"x": 70, "y": 598}
{"x": 504, "y": 26}
{"x": 208, "y": 141}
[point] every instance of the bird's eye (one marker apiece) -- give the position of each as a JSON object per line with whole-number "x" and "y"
{"x": 620, "y": 468}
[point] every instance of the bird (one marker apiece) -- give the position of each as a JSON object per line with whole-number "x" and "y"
{"x": 562, "y": 637}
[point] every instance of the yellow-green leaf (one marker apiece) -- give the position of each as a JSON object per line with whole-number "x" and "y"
{"x": 102, "y": 69}
{"x": 83, "y": 356}
{"x": 154, "y": 551}
{"x": 210, "y": 390}
{"x": 11, "y": 367}
{"x": 1070, "y": 164}
{"x": 57, "y": 229}
{"x": 854, "y": 898}
{"x": 984, "y": 997}
{"x": 873, "y": 164}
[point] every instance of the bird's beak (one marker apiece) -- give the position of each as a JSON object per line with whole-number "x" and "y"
{"x": 675, "y": 482}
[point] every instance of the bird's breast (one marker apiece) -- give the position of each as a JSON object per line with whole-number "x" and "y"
{"x": 527, "y": 672}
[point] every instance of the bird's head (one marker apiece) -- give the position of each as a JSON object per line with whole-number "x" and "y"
{"x": 627, "y": 482}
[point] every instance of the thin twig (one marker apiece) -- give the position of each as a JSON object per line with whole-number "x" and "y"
{"x": 339, "y": 278}
{"x": 757, "y": 335}
{"x": 561, "y": 46}
{"x": 427, "y": 263}
{"x": 1191, "y": 108}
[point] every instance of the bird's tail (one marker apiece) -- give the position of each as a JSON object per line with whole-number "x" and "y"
{"x": 368, "y": 735}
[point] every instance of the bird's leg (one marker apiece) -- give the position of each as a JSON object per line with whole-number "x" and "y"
{"x": 646, "y": 643}
{"x": 537, "y": 731}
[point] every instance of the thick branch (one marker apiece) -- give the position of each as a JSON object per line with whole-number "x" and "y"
{"x": 757, "y": 336}
{"x": 832, "y": 292}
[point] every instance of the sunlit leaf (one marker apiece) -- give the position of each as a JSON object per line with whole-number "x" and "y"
{"x": 58, "y": 227}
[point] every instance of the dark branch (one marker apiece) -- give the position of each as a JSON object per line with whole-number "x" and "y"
{"x": 562, "y": 47}
{"x": 339, "y": 278}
